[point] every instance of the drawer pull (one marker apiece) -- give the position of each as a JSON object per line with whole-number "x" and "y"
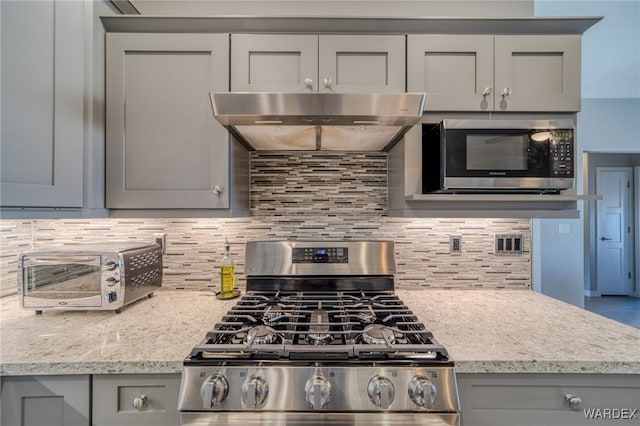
{"x": 575, "y": 402}
{"x": 139, "y": 402}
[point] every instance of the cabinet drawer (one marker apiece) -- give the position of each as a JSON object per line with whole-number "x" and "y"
{"x": 535, "y": 399}
{"x": 124, "y": 400}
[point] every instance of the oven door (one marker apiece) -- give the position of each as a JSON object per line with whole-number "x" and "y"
{"x": 509, "y": 159}
{"x": 307, "y": 418}
{"x": 60, "y": 281}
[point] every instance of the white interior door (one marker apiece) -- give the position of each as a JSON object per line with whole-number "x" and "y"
{"x": 613, "y": 230}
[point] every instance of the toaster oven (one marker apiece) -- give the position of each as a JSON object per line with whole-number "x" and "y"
{"x": 89, "y": 277}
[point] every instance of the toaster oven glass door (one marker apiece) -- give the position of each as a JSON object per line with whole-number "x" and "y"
{"x": 66, "y": 277}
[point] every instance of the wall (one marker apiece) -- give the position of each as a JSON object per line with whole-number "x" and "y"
{"x": 299, "y": 195}
{"x": 608, "y": 122}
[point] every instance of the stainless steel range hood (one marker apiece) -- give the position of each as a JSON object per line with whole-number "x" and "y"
{"x": 318, "y": 121}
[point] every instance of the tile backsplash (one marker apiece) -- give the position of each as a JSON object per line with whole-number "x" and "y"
{"x": 299, "y": 195}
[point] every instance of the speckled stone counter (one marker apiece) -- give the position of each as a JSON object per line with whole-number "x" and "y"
{"x": 492, "y": 331}
{"x": 149, "y": 336}
{"x": 524, "y": 332}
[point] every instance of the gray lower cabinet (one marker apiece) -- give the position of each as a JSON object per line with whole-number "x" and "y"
{"x": 164, "y": 148}
{"x": 549, "y": 399}
{"x": 42, "y": 97}
{"x": 135, "y": 400}
{"x": 317, "y": 63}
{"x": 495, "y": 73}
{"x": 45, "y": 401}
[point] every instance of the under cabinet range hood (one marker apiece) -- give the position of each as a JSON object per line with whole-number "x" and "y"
{"x": 318, "y": 121}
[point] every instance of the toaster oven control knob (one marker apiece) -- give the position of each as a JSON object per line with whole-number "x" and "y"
{"x": 317, "y": 391}
{"x": 214, "y": 390}
{"x": 111, "y": 265}
{"x": 422, "y": 391}
{"x": 381, "y": 391}
{"x": 254, "y": 392}
{"x": 111, "y": 281}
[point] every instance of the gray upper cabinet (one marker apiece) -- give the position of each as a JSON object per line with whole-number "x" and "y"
{"x": 326, "y": 63}
{"x": 496, "y": 73}
{"x": 164, "y": 149}
{"x": 43, "y": 93}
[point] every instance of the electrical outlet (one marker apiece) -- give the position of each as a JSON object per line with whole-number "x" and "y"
{"x": 455, "y": 243}
{"x": 161, "y": 240}
{"x": 509, "y": 244}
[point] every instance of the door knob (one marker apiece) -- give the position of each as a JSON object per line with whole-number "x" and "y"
{"x": 605, "y": 239}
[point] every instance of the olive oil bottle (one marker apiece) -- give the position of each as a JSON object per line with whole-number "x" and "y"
{"x": 227, "y": 275}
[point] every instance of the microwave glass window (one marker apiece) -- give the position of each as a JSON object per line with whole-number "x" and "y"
{"x": 497, "y": 152}
{"x": 76, "y": 277}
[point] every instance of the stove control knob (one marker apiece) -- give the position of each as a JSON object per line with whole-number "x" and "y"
{"x": 254, "y": 392}
{"x": 317, "y": 391}
{"x": 422, "y": 391}
{"x": 381, "y": 391}
{"x": 214, "y": 390}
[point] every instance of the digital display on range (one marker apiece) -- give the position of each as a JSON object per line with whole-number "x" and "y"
{"x": 320, "y": 255}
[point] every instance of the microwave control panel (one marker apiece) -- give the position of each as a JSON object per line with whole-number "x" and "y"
{"x": 561, "y": 152}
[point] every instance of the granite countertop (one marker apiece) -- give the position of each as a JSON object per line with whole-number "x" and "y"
{"x": 485, "y": 331}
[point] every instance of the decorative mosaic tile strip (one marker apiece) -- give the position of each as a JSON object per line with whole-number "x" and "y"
{"x": 304, "y": 196}
{"x": 195, "y": 246}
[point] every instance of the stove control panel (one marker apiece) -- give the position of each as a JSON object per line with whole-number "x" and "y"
{"x": 338, "y": 388}
{"x": 320, "y": 255}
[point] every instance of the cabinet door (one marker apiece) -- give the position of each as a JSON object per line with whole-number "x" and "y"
{"x": 456, "y": 71}
{"x": 43, "y": 80}
{"x": 274, "y": 63}
{"x": 45, "y": 400}
{"x": 362, "y": 63}
{"x": 136, "y": 400}
{"x": 542, "y": 399}
{"x": 164, "y": 148}
{"x": 537, "y": 73}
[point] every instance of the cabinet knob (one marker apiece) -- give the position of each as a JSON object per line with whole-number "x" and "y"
{"x": 487, "y": 91}
{"x": 139, "y": 402}
{"x": 328, "y": 83}
{"x": 575, "y": 402}
{"x": 308, "y": 82}
{"x": 505, "y": 92}
{"x": 217, "y": 190}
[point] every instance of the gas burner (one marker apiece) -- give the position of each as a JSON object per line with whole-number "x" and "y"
{"x": 274, "y": 317}
{"x": 319, "y": 338}
{"x": 261, "y": 335}
{"x": 378, "y": 334}
{"x": 366, "y": 317}
{"x": 319, "y": 328}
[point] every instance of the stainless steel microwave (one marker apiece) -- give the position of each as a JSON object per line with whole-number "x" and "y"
{"x": 498, "y": 155}
{"x": 89, "y": 277}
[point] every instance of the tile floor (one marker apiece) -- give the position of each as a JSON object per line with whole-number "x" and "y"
{"x": 620, "y": 308}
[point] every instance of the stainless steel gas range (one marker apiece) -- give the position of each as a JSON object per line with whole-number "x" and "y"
{"x": 320, "y": 337}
